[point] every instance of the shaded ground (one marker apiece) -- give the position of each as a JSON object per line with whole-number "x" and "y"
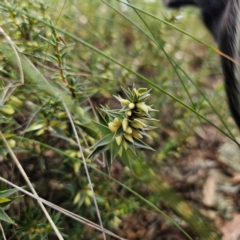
{"x": 207, "y": 177}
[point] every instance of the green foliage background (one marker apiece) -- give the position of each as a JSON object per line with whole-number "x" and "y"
{"x": 75, "y": 55}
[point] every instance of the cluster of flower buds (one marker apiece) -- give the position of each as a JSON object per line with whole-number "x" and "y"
{"x": 130, "y": 123}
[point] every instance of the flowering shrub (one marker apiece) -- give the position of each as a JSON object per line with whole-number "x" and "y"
{"x": 124, "y": 128}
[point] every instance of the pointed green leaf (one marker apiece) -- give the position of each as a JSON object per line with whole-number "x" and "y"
{"x": 11, "y": 199}
{"x": 4, "y": 217}
{"x": 126, "y": 159}
{"x": 104, "y": 141}
{"x": 4, "y": 200}
{"x": 114, "y": 149}
{"x": 127, "y": 93}
{"x": 97, "y": 151}
{"x": 102, "y": 128}
{"x": 6, "y": 193}
{"x": 139, "y": 144}
{"x": 92, "y": 133}
{"x": 102, "y": 120}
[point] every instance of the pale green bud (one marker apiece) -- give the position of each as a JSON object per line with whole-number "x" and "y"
{"x": 16, "y": 101}
{"x": 129, "y": 113}
{"x": 115, "y": 222}
{"x": 12, "y": 143}
{"x": 80, "y": 111}
{"x": 76, "y": 166}
{"x": 77, "y": 198}
{"x": 87, "y": 201}
{"x": 136, "y": 92}
{"x": 131, "y": 105}
{"x": 136, "y": 134}
{"x": 128, "y": 137}
{"x": 137, "y": 124}
{"x": 129, "y": 130}
{"x": 117, "y": 121}
{"x": 113, "y": 127}
{"x": 124, "y": 102}
{"x": 119, "y": 140}
{"x": 142, "y": 90}
{"x": 89, "y": 193}
{"x": 125, "y": 124}
{"x": 125, "y": 145}
{"x": 120, "y": 151}
{"x": 143, "y": 107}
{"x": 7, "y": 109}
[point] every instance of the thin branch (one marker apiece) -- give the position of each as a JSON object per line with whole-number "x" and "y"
{"x": 14, "y": 48}
{"x": 85, "y": 166}
{"x": 3, "y": 233}
{"x": 62, "y": 210}
{"x": 31, "y": 186}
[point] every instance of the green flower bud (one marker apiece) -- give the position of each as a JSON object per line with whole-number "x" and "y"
{"x": 136, "y": 134}
{"x": 117, "y": 121}
{"x": 80, "y": 111}
{"x": 125, "y": 124}
{"x": 119, "y": 140}
{"x": 125, "y": 145}
{"x": 87, "y": 201}
{"x": 131, "y": 105}
{"x": 129, "y": 130}
{"x": 7, "y": 109}
{"x": 120, "y": 151}
{"x": 124, "y": 102}
{"x": 136, "y": 92}
{"x": 143, "y": 107}
{"x": 76, "y": 166}
{"x": 77, "y": 198}
{"x": 128, "y": 137}
{"x": 16, "y": 101}
{"x": 113, "y": 128}
{"x": 142, "y": 90}
{"x": 129, "y": 113}
{"x": 137, "y": 124}
{"x": 89, "y": 193}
